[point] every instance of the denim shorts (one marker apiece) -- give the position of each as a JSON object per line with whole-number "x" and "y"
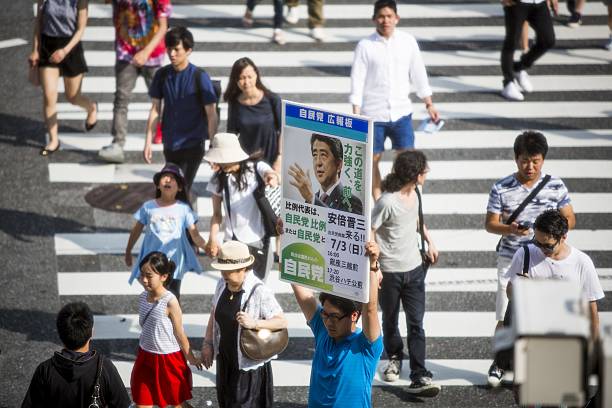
{"x": 400, "y": 132}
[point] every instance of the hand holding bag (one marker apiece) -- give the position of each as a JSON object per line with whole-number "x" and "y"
{"x": 262, "y": 344}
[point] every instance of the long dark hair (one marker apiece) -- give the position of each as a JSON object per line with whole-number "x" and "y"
{"x": 406, "y": 169}
{"x": 182, "y": 194}
{"x": 241, "y": 174}
{"x": 233, "y": 91}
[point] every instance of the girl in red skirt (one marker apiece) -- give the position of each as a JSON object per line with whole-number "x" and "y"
{"x": 161, "y": 376}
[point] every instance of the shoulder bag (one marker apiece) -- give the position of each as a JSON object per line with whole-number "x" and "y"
{"x": 262, "y": 344}
{"x": 524, "y": 204}
{"x": 424, "y": 256}
{"x": 268, "y": 201}
{"x": 96, "y": 399}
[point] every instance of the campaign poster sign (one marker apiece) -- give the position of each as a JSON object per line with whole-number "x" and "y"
{"x": 326, "y": 194}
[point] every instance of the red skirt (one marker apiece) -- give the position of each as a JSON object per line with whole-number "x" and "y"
{"x": 160, "y": 379}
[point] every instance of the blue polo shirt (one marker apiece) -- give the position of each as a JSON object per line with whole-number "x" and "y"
{"x": 183, "y": 123}
{"x": 342, "y": 372}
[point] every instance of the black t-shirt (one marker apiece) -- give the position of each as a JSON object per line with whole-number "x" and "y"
{"x": 258, "y": 126}
{"x": 225, "y": 316}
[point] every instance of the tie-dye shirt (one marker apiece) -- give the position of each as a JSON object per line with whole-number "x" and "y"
{"x": 136, "y": 22}
{"x": 508, "y": 193}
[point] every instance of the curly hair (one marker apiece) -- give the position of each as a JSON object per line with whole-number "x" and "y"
{"x": 553, "y": 223}
{"x": 406, "y": 169}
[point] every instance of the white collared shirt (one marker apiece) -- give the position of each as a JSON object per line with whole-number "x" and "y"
{"x": 328, "y": 192}
{"x": 382, "y": 74}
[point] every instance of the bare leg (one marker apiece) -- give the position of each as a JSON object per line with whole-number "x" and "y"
{"x": 49, "y": 77}
{"x": 72, "y": 86}
{"x": 525, "y": 38}
{"x": 376, "y": 189}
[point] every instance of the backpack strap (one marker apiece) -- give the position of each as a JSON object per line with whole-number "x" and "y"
{"x": 526, "y": 255}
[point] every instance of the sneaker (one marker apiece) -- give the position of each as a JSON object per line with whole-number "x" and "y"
{"x": 247, "y": 19}
{"x": 424, "y": 387}
{"x": 495, "y": 375}
{"x": 574, "y": 20}
{"x": 112, "y": 153}
{"x": 608, "y": 45}
{"x": 278, "y": 37}
{"x": 292, "y": 16}
{"x": 512, "y": 92}
{"x": 523, "y": 80}
{"x": 392, "y": 370}
{"x": 317, "y": 33}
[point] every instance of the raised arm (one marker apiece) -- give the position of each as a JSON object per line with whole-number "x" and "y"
{"x": 306, "y": 300}
{"x": 369, "y": 311}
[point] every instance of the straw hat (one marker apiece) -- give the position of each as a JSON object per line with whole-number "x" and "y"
{"x": 225, "y": 148}
{"x": 233, "y": 255}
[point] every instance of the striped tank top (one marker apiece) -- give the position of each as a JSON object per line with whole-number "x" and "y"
{"x": 157, "y": 333}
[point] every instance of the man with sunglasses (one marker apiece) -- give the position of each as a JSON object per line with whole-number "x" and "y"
{"x": 345, "y": 358}
{"x": 504, "y": 218}
{"x": 551, "y": 257}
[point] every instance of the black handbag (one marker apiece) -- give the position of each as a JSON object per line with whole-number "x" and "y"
{"x": 424, "y": 256}
{"x": 268, "y": 216}
{"x": 262, "y": 344}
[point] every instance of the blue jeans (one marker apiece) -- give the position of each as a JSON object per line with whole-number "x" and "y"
{"x": 400, "y": 132}
{"x": 409, "y": 288}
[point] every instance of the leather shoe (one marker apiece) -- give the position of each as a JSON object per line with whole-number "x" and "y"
{"x": 48, "y": 152}
{"x": 89, "y": 127}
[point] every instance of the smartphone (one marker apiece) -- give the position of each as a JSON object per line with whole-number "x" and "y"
{"x": 523, "y": 226}
{"x": 429, "y": 126}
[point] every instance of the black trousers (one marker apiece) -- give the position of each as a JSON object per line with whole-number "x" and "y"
{"x": 188, "y": 160}
{"x": 538, "y": 16}
{"x": 409, "y": 288}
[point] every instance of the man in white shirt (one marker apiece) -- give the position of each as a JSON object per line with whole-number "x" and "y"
{"x": 550, "y": 257}
{"x": 385, "y": 66}
{"x": 537, "y": 14}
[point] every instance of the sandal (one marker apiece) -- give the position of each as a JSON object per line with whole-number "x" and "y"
{"x": 89, "y": 127}
{"x": 48, "y": 152}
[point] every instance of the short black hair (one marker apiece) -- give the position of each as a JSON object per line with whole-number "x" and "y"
{"x": 553, "y": 223}
{"x": 179, "y": 34}
{"x": 335, "y": 145}
{"x": 347, "y": 306}
{"x": 380, "y": 4}
{"x": 530, "y": 143}
{"x": 75, "y": 325}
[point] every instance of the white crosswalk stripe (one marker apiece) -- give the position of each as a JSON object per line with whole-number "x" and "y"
{"x": 465, "y": 97}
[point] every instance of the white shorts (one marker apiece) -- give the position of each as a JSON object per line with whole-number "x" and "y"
{"x": 501, "y": 299}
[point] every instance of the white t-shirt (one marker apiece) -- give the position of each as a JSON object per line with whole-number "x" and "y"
{"x": 576, "y": 267}
{"x": 245, "y": 217}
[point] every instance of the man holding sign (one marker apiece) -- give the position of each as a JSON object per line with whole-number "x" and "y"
{"x": 346, "y": 357}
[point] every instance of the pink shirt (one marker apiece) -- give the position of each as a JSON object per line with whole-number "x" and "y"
{"x": 136, "y": 22}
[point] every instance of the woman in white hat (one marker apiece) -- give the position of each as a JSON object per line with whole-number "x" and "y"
{"x": 241, "y": 382}
{"x": 233, "y": 184}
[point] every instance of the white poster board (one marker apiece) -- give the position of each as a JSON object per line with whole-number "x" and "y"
{"x": 325, "y": 207}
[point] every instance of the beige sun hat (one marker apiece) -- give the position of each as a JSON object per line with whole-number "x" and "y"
{"x": 225, "y": 148}
{"x": 233, "y": 255}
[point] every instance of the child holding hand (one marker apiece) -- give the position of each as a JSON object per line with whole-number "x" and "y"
{"x": 168, "y": 219}
{"x": 160, "y": 375}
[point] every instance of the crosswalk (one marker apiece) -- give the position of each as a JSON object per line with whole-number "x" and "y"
{"x": 572, "y": 105}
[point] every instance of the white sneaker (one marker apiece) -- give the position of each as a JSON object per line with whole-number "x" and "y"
{"x": 292, "y": 16}
{"x": 392, "y": 370}
{"x": 608, "y": 45}
{"x": 523, "y": 81}
{"x": 318, "y": 34}
{"x": 113, "y": 153}
{"x": 512, "y": 92}
{"x": 278, "y": 37}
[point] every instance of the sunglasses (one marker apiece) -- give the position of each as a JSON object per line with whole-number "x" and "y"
{"x": 332, "y": 317}
{"x": 545, "y": 247}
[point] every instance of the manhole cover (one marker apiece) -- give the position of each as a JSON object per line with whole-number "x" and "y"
{"x": 123, "y": 198}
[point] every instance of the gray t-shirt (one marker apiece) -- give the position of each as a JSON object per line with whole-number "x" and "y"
{"x": 396, "y": 233}
{"x": 59, "y": 17}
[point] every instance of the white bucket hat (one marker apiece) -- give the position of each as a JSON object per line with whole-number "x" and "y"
{"x": 233, "y": 255}
{"x": 225, "y": 148}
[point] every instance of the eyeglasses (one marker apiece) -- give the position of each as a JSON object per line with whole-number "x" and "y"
{"x": 332, "y": 317}
{"x": 545, "y": 247}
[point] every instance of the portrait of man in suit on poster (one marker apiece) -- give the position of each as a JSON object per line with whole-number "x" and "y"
{"x": 327, "y": 160}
